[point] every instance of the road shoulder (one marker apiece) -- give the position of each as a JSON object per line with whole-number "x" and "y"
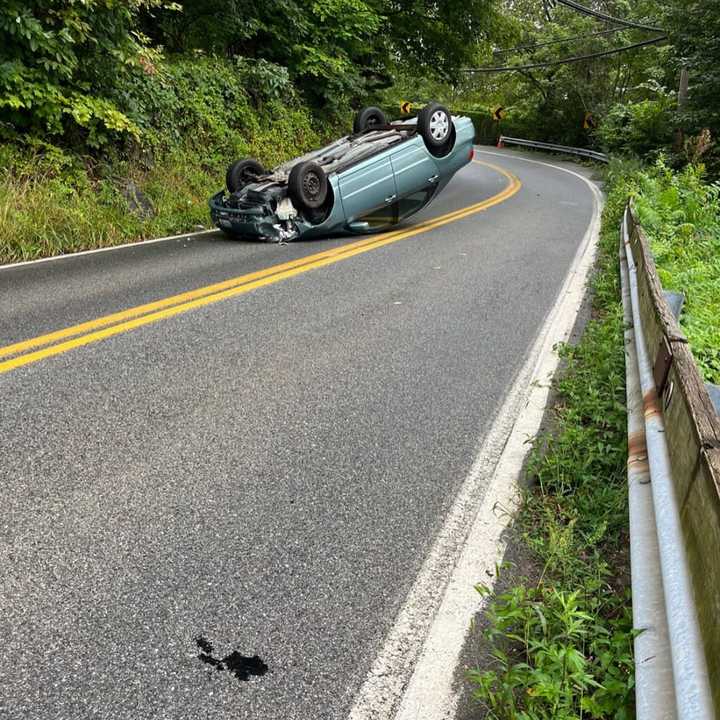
{"x": 480, "y": 516}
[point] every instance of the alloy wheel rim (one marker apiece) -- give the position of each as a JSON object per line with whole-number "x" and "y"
{"x": 312, "y": 184}
{"x": 439, "y": 125}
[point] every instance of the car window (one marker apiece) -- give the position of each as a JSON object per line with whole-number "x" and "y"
{"x": 380, "y": 217}
{"x": 393, "y": 214}
{"x": 412, "y": 203}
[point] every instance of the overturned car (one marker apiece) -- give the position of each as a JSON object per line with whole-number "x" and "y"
{"x": 367, "y": 181}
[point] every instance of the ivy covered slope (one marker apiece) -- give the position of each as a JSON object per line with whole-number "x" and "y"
{"x": 193, "y": 115}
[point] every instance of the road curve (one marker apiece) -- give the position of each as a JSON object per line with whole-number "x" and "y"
{"x": 264, "y": 472}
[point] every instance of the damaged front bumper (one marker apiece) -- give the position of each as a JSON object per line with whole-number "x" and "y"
{"x": 250, "y": 221}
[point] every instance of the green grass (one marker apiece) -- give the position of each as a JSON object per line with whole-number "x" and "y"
{"x": 562, "y": 645}
{"x": 54, "y": 202}
{"x": 681, "y": 216}
{"x": 196, "y": 116}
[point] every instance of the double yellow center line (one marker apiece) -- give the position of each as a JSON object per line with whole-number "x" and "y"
{"x": 60, "y": 341}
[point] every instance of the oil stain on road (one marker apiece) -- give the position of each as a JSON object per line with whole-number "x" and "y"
{"x": 241, "y": 666}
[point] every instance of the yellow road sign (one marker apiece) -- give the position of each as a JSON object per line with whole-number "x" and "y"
{"x": 589, "y": 123}
{"x": 405, "y": 107}
{"x": 498, "y": 112}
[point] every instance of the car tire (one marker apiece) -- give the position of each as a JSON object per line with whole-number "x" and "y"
{"x": 307, "y": 185}
{"x": 368, "y": 117}
{"x": 435, "y": 125}
{"x": 242, "y": 172}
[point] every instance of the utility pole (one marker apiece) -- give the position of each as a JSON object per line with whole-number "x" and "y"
{"x": 679, "y": 139}
{"x": 683, "y": 89}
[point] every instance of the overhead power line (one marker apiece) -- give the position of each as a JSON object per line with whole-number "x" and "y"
{"x": 566, "y": 61}
{"x": 609, "y": 18}
{"x": 504, "y": 51}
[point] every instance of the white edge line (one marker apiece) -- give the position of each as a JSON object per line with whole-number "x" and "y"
{"x": 137, "y": 243}
{"x": 433, "y": 622}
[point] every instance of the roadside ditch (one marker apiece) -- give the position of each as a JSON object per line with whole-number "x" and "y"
{"x": 555, "y": 637}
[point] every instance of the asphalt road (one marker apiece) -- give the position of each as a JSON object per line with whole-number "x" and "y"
{"x": 266, "y": 472}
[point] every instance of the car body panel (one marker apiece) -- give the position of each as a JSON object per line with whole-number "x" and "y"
{"x": 367, "y": 186}
{"x": 381, "y": 178}
{"x": 413, "y": 166}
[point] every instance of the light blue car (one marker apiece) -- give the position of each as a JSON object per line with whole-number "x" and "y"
{"x": 368, "y": 181}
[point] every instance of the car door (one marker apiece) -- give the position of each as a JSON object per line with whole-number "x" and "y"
{"x": 367, "y": 186}
{"x": 415, "y": 169}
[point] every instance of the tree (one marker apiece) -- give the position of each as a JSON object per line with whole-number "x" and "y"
{"x": 335, "y": 50}
{"x": 328, "y": 46}
{"x": 694, "y": 29}
{"x": 550, "y": 102}
{"x": 436, "y": 38}
{"x": 58, "y": 58}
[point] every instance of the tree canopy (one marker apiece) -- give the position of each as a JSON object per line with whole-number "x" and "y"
{"x": 73, "y": 67}
{"x": 64, "y": 63}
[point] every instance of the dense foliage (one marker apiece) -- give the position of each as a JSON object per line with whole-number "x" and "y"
{"x": 74, "y": 70}
{"x": 694, "y": 28}
{"x": 332, "y": 48}
{"x": 59, "y": 59}
{"x": 69, "y": 68}
{"x": 681, "y": 215}
{"x": 631, "y": 96}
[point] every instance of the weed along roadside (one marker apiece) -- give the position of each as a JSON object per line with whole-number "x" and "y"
{"x": 558, "y": 635}
{"x": 560, "y": 646}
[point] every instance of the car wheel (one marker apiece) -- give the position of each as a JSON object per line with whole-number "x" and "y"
{"x": 435, "y": 125}
{"x": 242, "y": 172}
{"x": 368, "y": 117}
{"x": 307, "y": 185}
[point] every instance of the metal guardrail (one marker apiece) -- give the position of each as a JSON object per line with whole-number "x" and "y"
{"x": 564, "y": 149}
{"x": 674, "y": 503}
{"x": 654, "y": 687}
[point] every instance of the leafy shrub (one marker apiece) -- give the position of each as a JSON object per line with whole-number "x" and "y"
{"x": 641, "y": 128}
{"x": 681, "y": 214}
{"x": 328, "y": 47}
{"x": 197, "y": 100}
{"x": 57, "y": 60}
{"x": 265, "y": 80}
{"x": 556, "y": 660}
{"x": 220, "y": 107}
